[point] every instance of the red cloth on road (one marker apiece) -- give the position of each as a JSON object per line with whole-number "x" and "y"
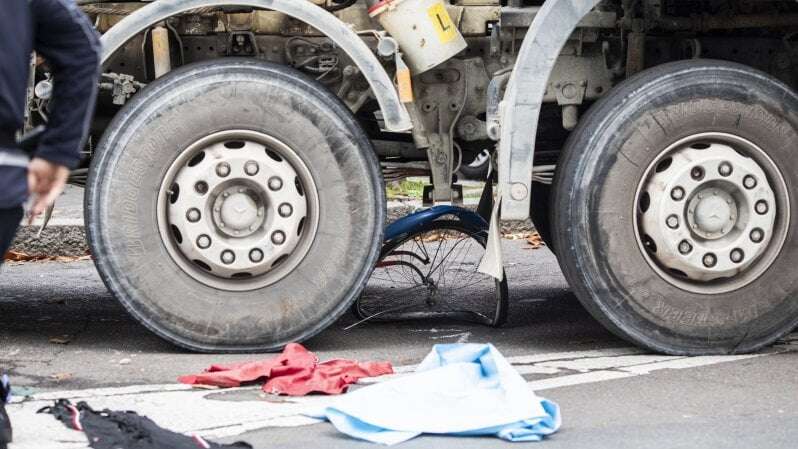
{"x": 295, "y": 372}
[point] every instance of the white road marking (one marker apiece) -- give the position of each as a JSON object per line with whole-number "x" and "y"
{"x": 213, "y": 414}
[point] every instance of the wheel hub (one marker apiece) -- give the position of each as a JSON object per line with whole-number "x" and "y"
{"x": 239, "y": 210}
{"x": 707, "y": 211}
{"x": 712, "y": 213}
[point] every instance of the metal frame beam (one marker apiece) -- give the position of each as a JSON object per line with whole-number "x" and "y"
{"x": 394, "y": 112}
{"x": 553, "y": 25}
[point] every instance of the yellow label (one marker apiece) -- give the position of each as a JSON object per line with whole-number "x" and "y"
{"x": 447, "y": 31}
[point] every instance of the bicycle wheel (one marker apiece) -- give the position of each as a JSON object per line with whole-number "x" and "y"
{"x": 433, "y": 273}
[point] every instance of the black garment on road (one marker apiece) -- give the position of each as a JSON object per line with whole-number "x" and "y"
{"x": 64, "y": 36}
{"x": 127, "y": 430}
{"x": 5, "y": 423}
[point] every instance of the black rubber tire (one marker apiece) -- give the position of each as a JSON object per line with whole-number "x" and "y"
{"x": 196, "y": 101}
{"x": 604, "y": 161}
{"x": 478, "y": 173}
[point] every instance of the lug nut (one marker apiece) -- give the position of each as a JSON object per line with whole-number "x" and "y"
{"x": 223, "y": 169}
{"x": 673, "y": 222}
{"x": 757, "y": 235}
{"x": 228, "y": 257}
{"x": 762, "y": 207}
{"x": 725, "y": 169}
{"x": 677, "y": 194}
{"x": 697, "y": 173}
{"x": 749, "y": 182}
{"x": 193, "y": 215}
{"x": 201, "y": 187}
{"x": 285, "y": 210}
{"x": 251, "y": 168}
{"x": 275, "y": 183}
{"x": 685, "y": 247}
{"x": 709, "y": 260}
{"x": 278, "y": 237}
{"x": 204, "y": 242}
{"x": 737, "y": 255}
{"x": 256, "y": 255}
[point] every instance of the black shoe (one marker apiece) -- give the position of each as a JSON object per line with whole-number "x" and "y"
{"x": 5, "y": 423}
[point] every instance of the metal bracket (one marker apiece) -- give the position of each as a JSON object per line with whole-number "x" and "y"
{"x": 242, "y": 43}
{"x": 442, "y": 95}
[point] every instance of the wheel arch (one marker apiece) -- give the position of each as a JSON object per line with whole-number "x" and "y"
{"x": 395, "y": 115}
{"x": 551, "y": 28}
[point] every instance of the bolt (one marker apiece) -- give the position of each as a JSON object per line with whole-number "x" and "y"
{"x": 757, "y": 235}
{"x": 285, "y": 210}
{"x": 240, "y": 190}
{"x": 251, "y": 168}
{"x": 204, "y": 242}
{"x": 518, "y": 191}
{"x": 275, "y": 183}
{"x": 256, "y": 255}
{"x": 228, "y": 257}
{"x": 201, "y": 187}
{"x": 749, "y": 182}
{"x": 725, "y": 169}
{"x": 761, "y": 207}
{"x": 223, "y": 169}
{"x": 226, "y": 194}
{"x": 685, "y": 247}
{"x": 278, "y": 237}
{"x": 673, "y": 222}
{"x": 193, "y": 215}
{"x": 709, "y": 260}
{"x": 737, "y": 255}
{"x": 677, "y": 194}
{"x": 697, "y": 173}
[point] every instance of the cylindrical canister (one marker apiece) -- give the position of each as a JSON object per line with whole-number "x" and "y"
{"x": 426, "y": 34}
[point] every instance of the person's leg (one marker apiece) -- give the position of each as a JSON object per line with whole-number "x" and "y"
{"x": 13, "y": 192}
{"x": 9, "y": 222}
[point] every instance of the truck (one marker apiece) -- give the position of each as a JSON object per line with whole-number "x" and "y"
{"x": 234, "y": 174}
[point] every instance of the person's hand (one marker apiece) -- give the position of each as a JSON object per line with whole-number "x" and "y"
{"x": 46, "y": 181}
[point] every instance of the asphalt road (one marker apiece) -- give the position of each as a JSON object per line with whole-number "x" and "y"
{"x": 63, "y": 335}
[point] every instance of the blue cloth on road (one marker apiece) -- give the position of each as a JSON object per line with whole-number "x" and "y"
{"x": 459, "y": 389}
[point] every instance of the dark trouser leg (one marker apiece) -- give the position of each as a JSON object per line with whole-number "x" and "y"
{"x": 9, "y": 222}
{"x": 13, "y": 192}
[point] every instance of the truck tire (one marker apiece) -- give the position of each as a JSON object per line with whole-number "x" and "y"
{"x": 235, "y": 206}
{"x": 675, "y": 209}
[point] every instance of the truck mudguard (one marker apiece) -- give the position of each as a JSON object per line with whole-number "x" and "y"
{"x": 394, "y": 112}
{"x": 551, "y": 28}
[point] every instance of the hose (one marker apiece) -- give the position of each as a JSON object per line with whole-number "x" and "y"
{"x": 340, "y": 4}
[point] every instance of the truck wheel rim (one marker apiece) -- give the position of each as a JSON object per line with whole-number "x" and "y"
{"x": 238, "y": 210}
{"x": 712, "y": 213}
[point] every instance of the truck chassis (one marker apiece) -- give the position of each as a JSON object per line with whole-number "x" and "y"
{"x": 234, "y": 171}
